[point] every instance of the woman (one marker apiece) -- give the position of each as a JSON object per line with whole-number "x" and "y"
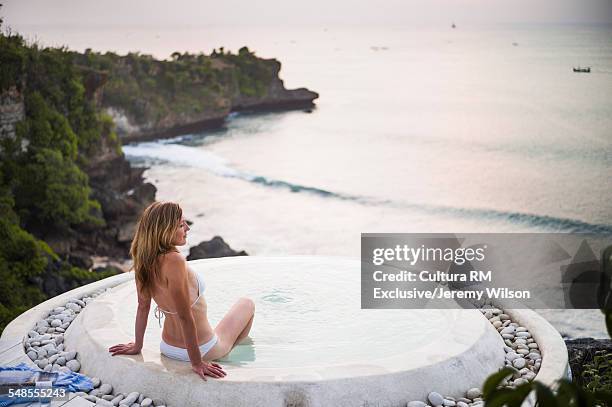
{"x": 163, "y": 274}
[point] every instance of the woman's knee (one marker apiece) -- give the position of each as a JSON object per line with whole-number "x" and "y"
{"x": 248, "y": 304}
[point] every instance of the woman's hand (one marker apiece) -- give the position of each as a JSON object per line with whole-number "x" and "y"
{"x": 124, "y": 349}
{"x": 209, "y": 369}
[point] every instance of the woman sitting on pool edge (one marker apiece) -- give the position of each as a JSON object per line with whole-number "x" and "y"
{"x": 163, "y": 274}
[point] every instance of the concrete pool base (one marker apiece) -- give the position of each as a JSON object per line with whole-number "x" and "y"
{"x": 449, "y": 364}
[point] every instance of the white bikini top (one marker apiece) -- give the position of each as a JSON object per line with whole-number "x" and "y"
{"x": 159, "y": 313}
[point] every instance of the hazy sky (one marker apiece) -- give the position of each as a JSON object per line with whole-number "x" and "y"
{"x": 292, "y": 12}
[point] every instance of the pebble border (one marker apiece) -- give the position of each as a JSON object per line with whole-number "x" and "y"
{"x": 44, "y": 345}
{"x": 522, "y": 356}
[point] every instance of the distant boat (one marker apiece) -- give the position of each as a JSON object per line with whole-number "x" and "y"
{"x": 453, "y": 26}
{"x": 579, "y": 69}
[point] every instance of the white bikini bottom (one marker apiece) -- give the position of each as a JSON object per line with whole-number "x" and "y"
{"x": 177, "y": 353}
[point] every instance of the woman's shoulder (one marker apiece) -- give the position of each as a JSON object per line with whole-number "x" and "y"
{"x": 171, "y": 260}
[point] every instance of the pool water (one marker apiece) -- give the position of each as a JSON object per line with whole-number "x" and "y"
{"x": 310, "y": 313}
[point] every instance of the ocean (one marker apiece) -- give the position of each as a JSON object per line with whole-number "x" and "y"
{"x": 417, "y": 129}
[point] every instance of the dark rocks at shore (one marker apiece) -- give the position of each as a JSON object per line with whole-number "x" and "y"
{"x": 216, "y": 247}
{"x": 582, "y": 351}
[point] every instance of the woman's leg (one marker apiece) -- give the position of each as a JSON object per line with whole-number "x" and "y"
{"x": 234, "y": 327}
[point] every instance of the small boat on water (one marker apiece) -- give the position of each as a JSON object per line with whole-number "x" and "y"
{"x": 579, "y": 69}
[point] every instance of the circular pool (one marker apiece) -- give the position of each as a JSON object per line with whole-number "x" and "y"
{"x": 311, "y": 343}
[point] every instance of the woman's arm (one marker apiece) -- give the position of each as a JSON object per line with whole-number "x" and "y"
{"x": 142, "y": 315}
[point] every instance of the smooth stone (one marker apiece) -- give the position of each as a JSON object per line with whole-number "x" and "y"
{"x": 506, "y": 322}
{"x": 61, "y": 361}
{"x": 104, "y": 403}
{"x": 93, "y": 399}
{"x": 41, "y": 353}
{"x": 70, "y": 355}
{"x": 59, "y": 339}
{"x": 523, "y": 334}
{"x": 147, "y": 402}
{"x": 106, "y": 388}
{"x": 53, "y": 358}
{"x": 488, "y": 314}
{"x": 416, "y": 403}
{"x": 449, "y": 403}
{"x": 497, "y": 324}
{"x": 435, "y": 399}
{"x": 56, "y": 322}
{"x": 59, "y": 309}
{"x": 529, "y": 376}
{"x": 41, "y": 329}
{"x": 130, "y": 398}
{"x": 140, "y": 398}
{"x": 507, "y": 330}
{"x": 462, "y": 404}
{"x": 73, "y": 365}
{"x": 47, "y": 341}
{"x": 135, "y": 405}
{"x": 94, "y": 392}
{"x": 464, "y": 400}
{"x": 96, "y": 382}
{"x": 518, "y": 382}
{"x": 60, "y": 329}
{"x": 48, "y": 368}
{"x": 519, "y": 363}
{"x": 504, "y": 317}
{"x": 511, "y": 356}
{"x": 507, "y": 336}
{"x": 473, "y": 393}
{"x": 108, "y": 397}
{"x": 522, "y": 351}
{"x": 51, "y": 330}
{"x": 522, "y": 346}
{"x": 508, "y": 342}
{"x": 79, "y": 302}
{"x": 117, "y": 399}
{"x": 42, "y": 363}
{"x": 60, "y": 347}
{"x": 521, "y": 329}
{"x": 74, "y": 307}
{"x": 532, "y": 345}
{"x": 32, "y": 355}
{"x": 534, "y": 356}
{"x": 33, "y": 334}
{"x": 494, "y": 319}
{"x": 49, "y": 346}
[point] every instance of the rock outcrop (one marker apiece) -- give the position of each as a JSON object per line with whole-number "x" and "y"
{"x": 216, "y": 247}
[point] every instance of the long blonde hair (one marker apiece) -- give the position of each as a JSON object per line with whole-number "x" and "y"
{"x": 154, "y": 233}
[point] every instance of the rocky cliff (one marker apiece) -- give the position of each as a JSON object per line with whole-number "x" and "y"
{"x": 150, "y": 99}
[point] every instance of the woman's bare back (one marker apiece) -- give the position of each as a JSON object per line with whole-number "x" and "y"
{"x": 172, "y": 332}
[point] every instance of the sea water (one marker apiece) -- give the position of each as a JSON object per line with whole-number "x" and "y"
{"x": 474, "y": 129}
